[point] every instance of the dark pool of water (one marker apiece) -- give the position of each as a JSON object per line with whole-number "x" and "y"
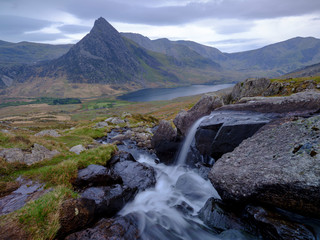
{"x": 155, "y": 94}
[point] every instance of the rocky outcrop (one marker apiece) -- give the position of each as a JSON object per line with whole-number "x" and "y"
{"x": 120, "y": 228}
{"x": 250, "y": 88}
{"x": 222, "y": 131}
{"x": 51, "y": 133}
{"x": 302, "y": 102}
{"x": 165, "y": 143}
{"x": 38, "y": 153}
{"x": 279, "y": 166}
{"x": 205, "y": 106}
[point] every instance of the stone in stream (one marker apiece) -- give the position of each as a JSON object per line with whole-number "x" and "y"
{"x": 278, "y": 166}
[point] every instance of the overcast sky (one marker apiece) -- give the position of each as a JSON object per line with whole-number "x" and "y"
{"x": 229, "y": 25}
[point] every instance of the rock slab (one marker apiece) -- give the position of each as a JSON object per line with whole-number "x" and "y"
{"x": 279, "y": 166}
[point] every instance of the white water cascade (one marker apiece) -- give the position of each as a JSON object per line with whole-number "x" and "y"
{"x": 188, "y": 141}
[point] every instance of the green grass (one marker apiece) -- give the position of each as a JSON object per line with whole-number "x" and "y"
{"x": 64, "y": 172}
{"x": 104, "y": 103}
{"x": 40, "y": 218}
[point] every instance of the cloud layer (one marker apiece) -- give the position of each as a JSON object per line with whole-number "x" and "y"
{"x": 232, "y": 25}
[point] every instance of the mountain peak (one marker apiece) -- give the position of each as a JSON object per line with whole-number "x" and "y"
{"x": 103, "y": 26}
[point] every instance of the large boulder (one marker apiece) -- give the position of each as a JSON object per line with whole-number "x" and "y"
{"x": 51, "y": 133}
{"x": 279, "y": 166}
{"x": 205, "y": 106}
{"x": 222, "y": 131}
{"x": 120, "y": 228}
{"x": 302, "y": 102}
{"x": 165, "y": 143}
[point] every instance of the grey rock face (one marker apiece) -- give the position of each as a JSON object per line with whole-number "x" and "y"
{"x": 77, "y": 149}
{"x": 250, "y": 88}
{"x": 38, "y": 153}
{"x": 278, "y": 166}
{"x": 52, "y": 133}
{"x": 302, "y": 102}
{"x": 205, "y": 106}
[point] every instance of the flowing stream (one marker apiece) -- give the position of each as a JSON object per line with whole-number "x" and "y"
{"x": 169, "y": 210}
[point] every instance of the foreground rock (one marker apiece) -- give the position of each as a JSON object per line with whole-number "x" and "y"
{"x": 299, "y": 103}
{"x": 77, "y": 149}
{"x": 120, "y": 228}
{"x": 205, "y": 106}
{"x": 165, "y": 142}
{"x": 38, "y": 153}
{"x": 279, "y": 166}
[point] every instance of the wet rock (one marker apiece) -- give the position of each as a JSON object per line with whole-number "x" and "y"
{"x": 279, "y": 166}
{"x": 165, "y": 143}
{"x": 120, "y": 228}
{"x": 222, "y": 131}
{"x": 38, "y": 153}
{"x": 250, "y": 88}
{"x": 96, "y": 175}
{"x": 27, "y": 191}
{"x": 51, "y": 133}
{"x": 205, "y": 106}
{"x": 109, "y": 200}
{"x": 120, "y": 156}
{"x": 253, "y": 221}
{"x": 75, "y": 214}
{"x": 272, "y": 225}
{"x": 221, "y": 217}
{"x": 135, "y": 174}
{"x": 302, "y": 102}
{"x": 77, "y": 149}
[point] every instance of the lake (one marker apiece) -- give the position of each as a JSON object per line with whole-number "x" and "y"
{"x": 156, "y": 94}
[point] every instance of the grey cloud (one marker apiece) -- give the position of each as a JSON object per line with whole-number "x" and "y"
{"x": 234, "y": 28}
{"x": 74, "y": 29}
{"x": 132, "y": 12}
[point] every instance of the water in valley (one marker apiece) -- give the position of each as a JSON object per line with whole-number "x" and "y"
{"x": 155, "y": 94}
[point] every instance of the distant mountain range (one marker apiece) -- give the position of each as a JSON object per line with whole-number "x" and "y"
{"x": 107, "y": 62}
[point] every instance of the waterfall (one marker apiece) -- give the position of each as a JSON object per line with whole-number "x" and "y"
{"x": 181, "y": 159}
